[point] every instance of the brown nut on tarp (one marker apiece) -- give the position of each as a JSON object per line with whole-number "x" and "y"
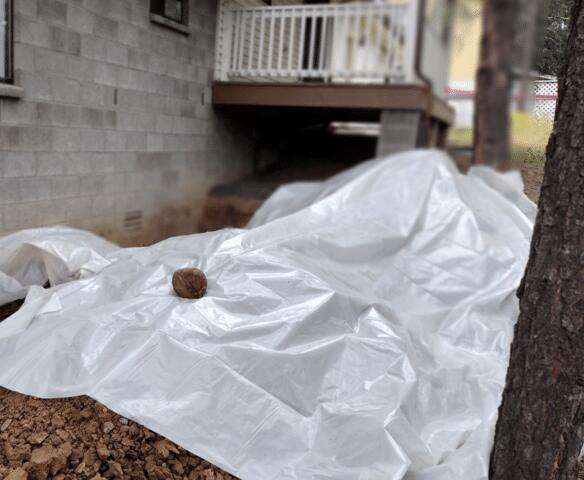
{"x": 189, "y": 283}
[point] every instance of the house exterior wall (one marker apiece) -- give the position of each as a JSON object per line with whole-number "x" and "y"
{"x": 115, "y": 131}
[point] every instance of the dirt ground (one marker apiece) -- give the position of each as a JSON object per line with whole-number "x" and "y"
{"x": 78, "y": 438}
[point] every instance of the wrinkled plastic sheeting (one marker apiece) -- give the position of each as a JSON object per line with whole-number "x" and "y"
{"x": 31, "y": 258}
{"x": 55, "y": 255}
{"x": 359, "y": 330}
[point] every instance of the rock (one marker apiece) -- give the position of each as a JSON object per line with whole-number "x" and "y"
{"x": 123, "y": 421}
{"x": 107, "y": 427}
{"x": 58, "y": 421}
{"x": 40, "y": 462}
{"x": 5, "y": 424}
{"x": 65, "y": 450}
{"x": 58, "y": 463}
{"x": 85, "y": 413}
{"x": 63, "y": 434}
{"x": 18, "y": 474}
{"x": 177, "y": 467}
{"x": 115, "y": 471}
{"x": 156, "y": 472}
{"x": 189, "y": 283}
{"x": 164, "y": 448}
{"x": 37, "y": 438}
{"x": 102, "y": 451}
{"x": 80, "y": 468}
{"x": 89, "y": 458}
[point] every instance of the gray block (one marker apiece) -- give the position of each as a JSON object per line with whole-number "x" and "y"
{"x": 50, "y": 62}
{"x": 65, "y": 186}
{"x": 31, "y": 32}
{"x": 73, "y": 46}
{"x": 24, "y": 57}
{"x": 51, "y": 164}
{"x": 79, "y": 19}
{"x": 82, "y": 69}
{"x": 52, "y": 11}
{"x": 115, "y": 141}
{"x": 18, "y": 164}
{"x": 92, "y": 185}
{"x": 34, "y": 188}
{"x": 92, "y": 47}
{"x": 65, "y": 90}
{"x": 22, "y": 215}
{"x": 58, "y": 39}
{"x": 17, "y": 112}
{"x": 26, "y": 7}
{"x": 106, "y": 28}
{"x": 92, "y": 117}
{"x": 66, "y": 140}
{"x": 92, "y": 140}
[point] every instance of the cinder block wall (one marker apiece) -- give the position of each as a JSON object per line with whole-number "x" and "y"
{"x": 115, "y": 131}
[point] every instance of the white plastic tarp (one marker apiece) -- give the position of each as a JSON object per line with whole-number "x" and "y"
{"x": 359, "y": 329}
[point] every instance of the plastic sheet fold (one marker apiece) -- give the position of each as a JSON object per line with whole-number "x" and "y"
{"x": 358, "y": 329}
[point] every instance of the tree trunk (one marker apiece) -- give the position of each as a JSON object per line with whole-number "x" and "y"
{"x": 541, "y": 418}
{"x": 493, "y": 85}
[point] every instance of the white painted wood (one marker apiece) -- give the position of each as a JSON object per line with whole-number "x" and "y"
{"x": 358, "y": 42}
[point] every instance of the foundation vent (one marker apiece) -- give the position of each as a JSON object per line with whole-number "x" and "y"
{"x": 133, "y": 220}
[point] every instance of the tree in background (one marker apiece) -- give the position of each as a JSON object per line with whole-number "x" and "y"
{"x": 529, "y": 14}
{"x": 491, "y": 135}
{"x": 541, "y": 418}
{"x": 552, "y": 36}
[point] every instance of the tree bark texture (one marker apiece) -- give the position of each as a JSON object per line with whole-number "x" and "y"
{"x": 541, "y": 419}
{"x": 493, "y": 85}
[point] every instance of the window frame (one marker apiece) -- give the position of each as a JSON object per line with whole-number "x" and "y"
{"x": 157, "y": 8}
{"x": 7, "y": 75}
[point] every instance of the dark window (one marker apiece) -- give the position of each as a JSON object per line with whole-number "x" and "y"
{"x": 5, "y": 41}
{"x": 175, "y": 10}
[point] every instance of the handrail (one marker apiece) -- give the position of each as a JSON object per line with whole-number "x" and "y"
{"x": 331, "y": 42}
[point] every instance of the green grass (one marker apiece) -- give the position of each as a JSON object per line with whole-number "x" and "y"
{"x": 529, "y": 137}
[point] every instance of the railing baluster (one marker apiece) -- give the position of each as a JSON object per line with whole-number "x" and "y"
{"x": 291, "y": 40}
{"x": 321, "y": 52}
{"x": 234, "y": 42}
{"x": 242, "y": 29}
{"x": 301, "y": 41}
{"x": 251, "y": 41}
{"x": 367, "y": 67}
{"x": 281, "y": 40}
{"x": 270, "y": 43}
{"x": 310, "y": 65}
{"x": 347, "y": 39}
{"x": 260, "y": 64}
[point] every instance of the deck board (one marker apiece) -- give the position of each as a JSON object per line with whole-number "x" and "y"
{"x": 336, "y": 97}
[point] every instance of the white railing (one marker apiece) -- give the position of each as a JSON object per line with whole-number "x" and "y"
{"x": 351, "y": 42}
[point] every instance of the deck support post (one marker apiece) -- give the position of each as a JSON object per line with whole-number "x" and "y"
{"x": 399, "y": 131}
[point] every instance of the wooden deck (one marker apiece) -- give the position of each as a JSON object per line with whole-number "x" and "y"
{"x": 341, "y": 101}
